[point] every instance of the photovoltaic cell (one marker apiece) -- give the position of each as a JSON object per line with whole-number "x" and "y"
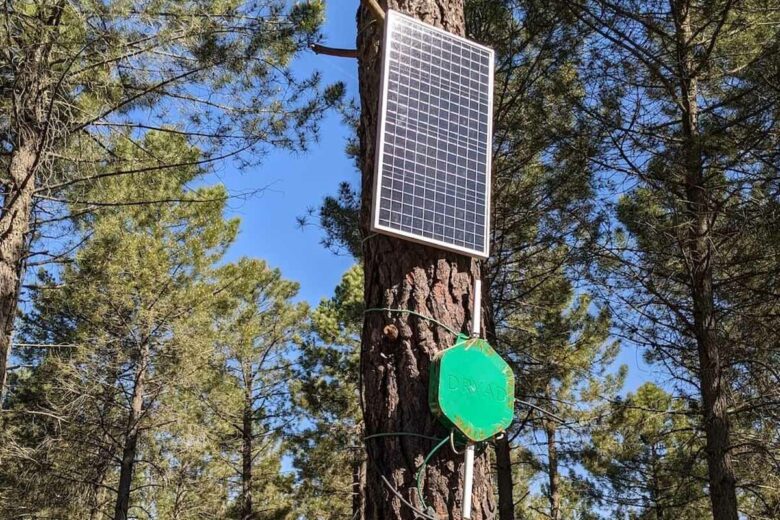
{"x": 432, "y": 180}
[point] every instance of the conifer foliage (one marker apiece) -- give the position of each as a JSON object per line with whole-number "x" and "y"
{"x": 146, "y": 374}
{"x": 165, "y": 385}
{"x": 78, "y": 77}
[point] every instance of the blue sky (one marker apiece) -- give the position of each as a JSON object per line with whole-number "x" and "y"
{"x": 297, "y": 182}
{"x": 269, "y": 228}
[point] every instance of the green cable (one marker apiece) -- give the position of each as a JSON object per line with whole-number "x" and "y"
{"x": 413, "y": 313}
{"x": 401, "y": 434}
{"x": 422, "y": 470}
{"x": 427, "y": 459}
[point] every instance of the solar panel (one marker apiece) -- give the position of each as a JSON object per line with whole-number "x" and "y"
{"x": 432, "y": 181}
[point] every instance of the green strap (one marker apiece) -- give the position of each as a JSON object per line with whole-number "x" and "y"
{"x": 421, "y": 471}
{"x": 413, "y": 313}
{"x": 401, "y": 434}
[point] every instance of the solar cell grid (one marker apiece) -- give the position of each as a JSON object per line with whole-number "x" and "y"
{"x": 432, "y": 181}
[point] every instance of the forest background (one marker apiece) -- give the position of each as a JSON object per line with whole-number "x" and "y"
{"x": 164, "y": 368}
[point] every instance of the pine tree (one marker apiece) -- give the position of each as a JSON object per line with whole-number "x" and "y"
{"x": 542, "y": 196}
{"x": 397, "y": 348}
{"x": 329, "y": 455}
{"x": 71, "y": 87}
{"x": 250, "y": 395}
{"x": 542, "y": 181}
{"x": 130, "y": 305}
{"x": 643, "y": 456}
{"x": 681, "y": 92}
{"x": 563, "y": 352}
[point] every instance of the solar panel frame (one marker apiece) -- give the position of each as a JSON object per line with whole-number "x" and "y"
{"x": 480, "y": 250}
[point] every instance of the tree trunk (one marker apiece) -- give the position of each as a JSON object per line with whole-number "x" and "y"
{"x": 699, "y": 253}
{"x": 247, "y": 436}
{"x": 503, "y": 448}
{"x": 14, "y": 225}
{"x": 31, "y": 73}
{"x": 106, "y": 450}
{"x": 126, "y": 476}
{"x": 397, "y": 348}
{"x": 358, "y": 489}
{"x": 131, "y": 438}
{"x": 552, "y": 472}
{"x": 506, "y": 492}
{"x": 655, "y": 485}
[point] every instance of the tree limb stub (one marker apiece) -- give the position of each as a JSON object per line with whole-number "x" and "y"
{"x": 378, "y": 11}
{"x": 332, "y": 51}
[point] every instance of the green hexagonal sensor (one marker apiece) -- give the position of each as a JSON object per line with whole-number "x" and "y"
{"x": 472, "y": 389}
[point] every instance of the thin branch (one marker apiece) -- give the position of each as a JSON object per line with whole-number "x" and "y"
{"x": 333, "y": 51}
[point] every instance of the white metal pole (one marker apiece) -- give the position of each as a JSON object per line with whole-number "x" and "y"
{"x": 469, "y": 482}
{"x": 476, "y": 326}
{"x": 468, "y": 477}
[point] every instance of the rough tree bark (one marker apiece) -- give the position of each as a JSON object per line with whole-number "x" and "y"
{"x": 552, "y": 471}
{"x": 506, "y": 502}
{"x": 699, "y": 252}
{"x": 397, "y": 349}
{"x": 30, "y": 104}
{"x": 130, "y": 449}
{"x": 14, "y": 226}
